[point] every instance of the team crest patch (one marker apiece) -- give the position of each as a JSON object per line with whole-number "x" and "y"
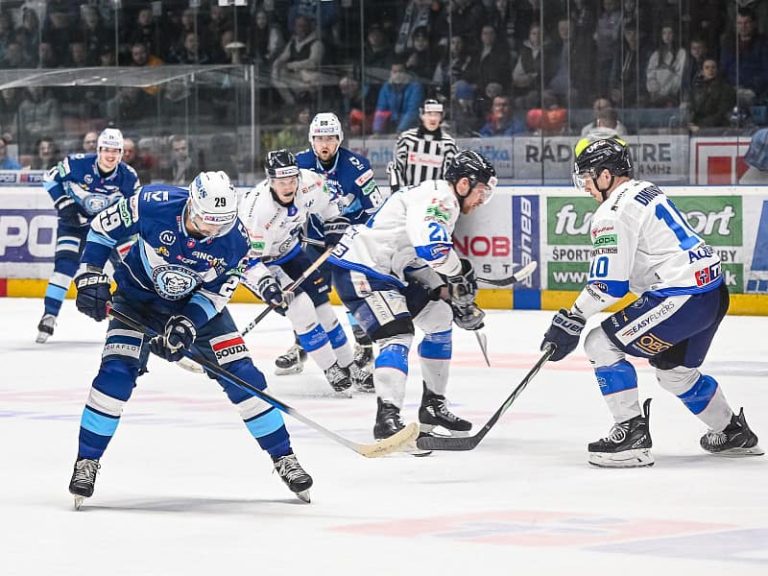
{"x": 167, "y": 237}
{"x": 174, "y": 282}
{"x": 229, "y": 347}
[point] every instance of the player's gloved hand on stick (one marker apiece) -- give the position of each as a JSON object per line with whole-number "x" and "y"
{"x": 468, "y": 317}
{"x": 93, "y": 294}
{"x": 177, "y": 338}
{"x": 463, "y": 287}
{"x": 68, "y": 212}
{"x": 564, "y": 333}
{"x": 334, "y": 229}
{"x": 270, "y": 291}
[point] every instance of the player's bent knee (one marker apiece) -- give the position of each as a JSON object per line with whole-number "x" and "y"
{"x": 436, "y": 317}
{"x": 677, "y": 380}
{"x": 599, "y": 348}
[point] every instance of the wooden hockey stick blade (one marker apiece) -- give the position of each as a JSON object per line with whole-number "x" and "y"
{"x": 387, "y": 446}
{"x": 471, "y": 442}
{"x": 482, "y": 340}
{"x": 521, "y": 274}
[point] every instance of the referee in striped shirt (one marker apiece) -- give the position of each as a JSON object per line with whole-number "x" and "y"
{"x": 422, "y": 153}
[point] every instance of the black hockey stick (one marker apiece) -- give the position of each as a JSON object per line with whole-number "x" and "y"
{"x": 471, "y": 442}
{"x": 521, "y": 274}
{"x": 386, "y": 446}
{"x": 290, "y": 288}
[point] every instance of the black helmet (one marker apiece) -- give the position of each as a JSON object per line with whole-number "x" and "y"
{"x": 472, "y": 165}
{"x": 281, "y": 164}
{"x": 594, "y": 156}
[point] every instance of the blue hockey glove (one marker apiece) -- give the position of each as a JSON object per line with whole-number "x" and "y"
{"x": 564, "y": 333}
{"x": 334, "y": 229}
{"x": 68, "y": 211}
{"x": 93, "y": 294}
{"x": 269, "y": 290}
{"x": 177, "y": 338}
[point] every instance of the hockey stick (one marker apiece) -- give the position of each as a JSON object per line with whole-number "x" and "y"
{"x": 471, "y": 442}
{"x": 380, "y": 448}
{"x": 521, "y": 274}
{"x": 290, "y": 288}
{"x": 482, "y": 340}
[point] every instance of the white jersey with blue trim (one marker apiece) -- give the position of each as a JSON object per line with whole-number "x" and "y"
{"x": 412, "y": 229}
{"x": 642, "y": 243}
{"x": 274, "y": 229}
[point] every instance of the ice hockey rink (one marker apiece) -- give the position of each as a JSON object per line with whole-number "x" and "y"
{"x": 184, "y": 489}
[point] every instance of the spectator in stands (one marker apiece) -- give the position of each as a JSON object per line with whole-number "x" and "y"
{"x": 466, "y": 20}
{"x": 147, "y": 31}
{"x": 465, "y": 113}
{"x": 397, "y": 108}
{"x": 502, "y": 122}
{"x": 501, "y": 15}
{"x": 548, "y": 120}
{"x": 712, "y": 100}
{"x": 128, "y": 105}
{"x": 357, "y": 105}
{"x": 14, "y": 57}
{"x": 295, "y": 73}
{"x": 135, "y": 159}
{"x": 607, "y": 37}
{"x": 46, "y": 55}
{"x": 39, "y": 115}
{"x": 744, "y": 62}
{"x": 229, "y": 50}
{"x": 140, "y": 56}
{"x": 629, "y": 65}
{"x": 697, "y": 53}
{"x": 183, "y": 166}
{"x": 57, "y": 29}
{"x": 527, "y": 71}
{"x": 417, "y": 14}
{"x": 377, "y": 56}
{"x": 558, "y": 63}
{"x": 598, "y": 105}
{"x": 266, "y": 40}
{"x": 6, "y": 32}
{"x": 293, "y": 135}
{"x": 46, "y": 154}
{"x": 89, "y": 142}
{"x": 6, "y": 162}
{"x": 492, "y": 62}
{"x": 78, "y": 55}
{"x": 605, "y": 125}
{"x": 10, "y": 99}
{"x": 664, "y": 75}
{"x": 190, "y": 52}
{"x": 420, "y": 61}
{"x": 456, "y": 66}
{"x": 28, "y": 34}
{"x": 92, "y": 32}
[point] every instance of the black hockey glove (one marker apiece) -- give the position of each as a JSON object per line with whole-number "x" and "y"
{"x": 334, "y": 229}
{"x": 468, "y": 317}
{"x": 269, "y": 290}
{"x": 93, "y": 294}
{"x": 564, "y": 333}
{"x": 462, "y": 288}
{"x": 68, "y": 212}
{"x": 177, "y": 338}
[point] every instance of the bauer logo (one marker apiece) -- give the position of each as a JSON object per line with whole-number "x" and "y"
{"x": 526, "y": 247}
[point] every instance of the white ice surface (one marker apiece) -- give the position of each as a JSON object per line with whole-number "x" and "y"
{"x": 184, "y": 489}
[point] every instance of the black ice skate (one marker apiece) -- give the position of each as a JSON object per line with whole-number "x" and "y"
{"x": 292, "y": 362}
{"x": 362, "y": 379}
{"x": 45, "y": 328}
{"x": 83, "y": 480}
{"x": 627, "y": 446}
{"x": 433, "y": 413}
{"x": 294, "y": 476}
{"x": 364, "y": 355}
{"x": 388, "y": 421}
{"x": 339, "y": 379}
{"x": 735, "y": 440}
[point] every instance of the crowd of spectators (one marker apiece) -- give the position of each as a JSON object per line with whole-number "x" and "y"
{"x": 501, "y": 68}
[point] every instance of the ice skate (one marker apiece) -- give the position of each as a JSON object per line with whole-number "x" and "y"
{"x": 45, "y": 328}
{"x": 735, "y": 440}
{"x": 362, "y": 378}
{"x": 294, "y": 476}
{"x": 292, "y": 362}
{"x": 83, "y": 479}
{"x": 339, "y": 379}
{"x": 364, "y": 355}
{"x": 627, "y": 446}
{"x": 389, "y": 422}
{"x": 433, "y": 413}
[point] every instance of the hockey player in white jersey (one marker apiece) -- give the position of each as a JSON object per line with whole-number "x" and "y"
{"x": 422, "y": 153}
{"x": 392, "y": 272}
{"x": 642, "y": 244}
{"x": 274, "y": 213}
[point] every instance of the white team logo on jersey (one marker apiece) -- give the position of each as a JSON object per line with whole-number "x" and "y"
{"x": 174, "y": 282}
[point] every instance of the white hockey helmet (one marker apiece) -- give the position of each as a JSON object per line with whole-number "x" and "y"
{"x": 213, "y": 200}
{"x": 110, "y": 138}
{"x": 325, "y": 124}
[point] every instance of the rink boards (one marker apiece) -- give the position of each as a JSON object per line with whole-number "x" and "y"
{"x": 549, "y": 225}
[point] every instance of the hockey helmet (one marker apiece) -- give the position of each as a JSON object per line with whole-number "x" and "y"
{"x": 213, "y": 201}
{"x": 325, "y": 124}
{"x": 281, "y": 164}
{"x": 473, "y": 166}
{"x": 110, "y": 138}
{"x": 431, "y": 105}
{"x": 594, "y": 156}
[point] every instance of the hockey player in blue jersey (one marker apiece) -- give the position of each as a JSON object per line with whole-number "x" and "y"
{"x": 176, "y": 279}
{"x": 351, "y": 178}
{"x": 81, "y": 186}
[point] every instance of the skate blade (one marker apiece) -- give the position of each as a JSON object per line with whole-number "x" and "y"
{"x": 638, "y": 458}
{"x": 412, "y": 449}
{"x": 740, "y": 452}
{"x": 79, "y": 502}
{"x": 303, "y": 496}
{"x": 441, "y": 432}
{"x": 42, "y": 338}
{"x": 295, "y": 369}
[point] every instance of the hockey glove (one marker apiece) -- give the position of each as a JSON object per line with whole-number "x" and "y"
{"x": 564, "y": 333}
{"x": 468, "y": 317}
{"x": 68, "y": 212}
{"x": 463, "y": 287}
{"x": 177, "y": 338}
{"x": 334, "y": 229}
{"x": 93, "y": 294}
{"x": 269, "y": 290}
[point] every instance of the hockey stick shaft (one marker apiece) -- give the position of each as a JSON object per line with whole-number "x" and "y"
{"x": 391, "y": 444}
{"x": 482, "y": 341}
{"x": 471, "y": 442}
{"x": 290, "y": 288}
{"x": 518, "y": 276}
